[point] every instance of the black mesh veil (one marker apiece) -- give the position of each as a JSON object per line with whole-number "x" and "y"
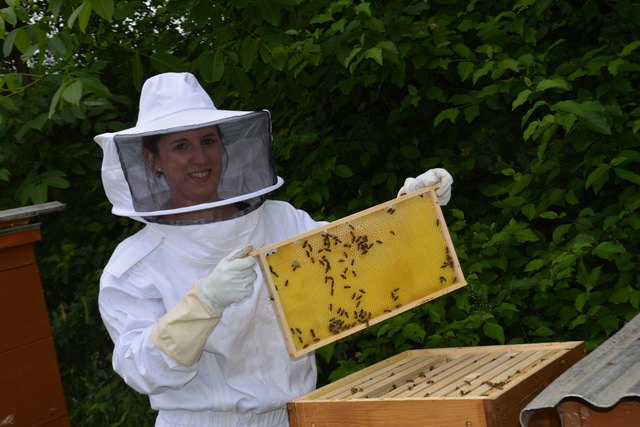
{"x": 247, "y": 165}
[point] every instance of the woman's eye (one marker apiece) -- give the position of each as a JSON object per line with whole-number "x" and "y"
{"x": 180, "y": 147}
{"x": 209, "y": 141}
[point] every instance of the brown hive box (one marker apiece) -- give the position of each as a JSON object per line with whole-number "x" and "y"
{"x": 461, "y": 387}
{"x": 349, "y": 274}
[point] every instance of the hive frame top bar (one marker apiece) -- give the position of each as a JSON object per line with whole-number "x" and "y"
{"x": 366, "y": 274}
{"x": 267, "y": 248}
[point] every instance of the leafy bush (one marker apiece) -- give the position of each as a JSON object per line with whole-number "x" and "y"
{"x": 529, "y": 104}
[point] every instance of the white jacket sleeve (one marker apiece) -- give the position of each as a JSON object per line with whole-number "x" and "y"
{"x": 131, "y": 307}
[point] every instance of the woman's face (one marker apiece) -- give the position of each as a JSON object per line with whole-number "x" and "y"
{"x": 191, "y": 162}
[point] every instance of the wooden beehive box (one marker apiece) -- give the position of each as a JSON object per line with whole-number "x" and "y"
{"x": 461, "y": 387}
{"x": 344, "y": 276}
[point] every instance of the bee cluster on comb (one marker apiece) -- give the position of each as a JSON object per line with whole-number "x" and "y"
{"x": 357, "y": 271}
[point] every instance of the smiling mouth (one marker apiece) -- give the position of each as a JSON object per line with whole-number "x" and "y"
{"x": 200, "y": 175}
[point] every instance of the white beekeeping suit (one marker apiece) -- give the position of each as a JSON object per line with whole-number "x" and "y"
{"x": 201, "y": 364}
{"x": 186, "y": 307}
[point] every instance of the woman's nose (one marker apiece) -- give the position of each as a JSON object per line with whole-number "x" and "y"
{"x": 198, "y": 154}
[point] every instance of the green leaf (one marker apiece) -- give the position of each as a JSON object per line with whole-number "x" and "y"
{"x": 390, "y": 50}
{"x": 521, "y": 99}
{"x": 104, "y": 8}
{"x": 596, "y": 122}
{"x": 580, "y": 320}
{"x": 57, "y": 47}
{"x": 495, "y": 331}
{"x": 581, "y": 300}
{"x": 84, "y": 15}
{"x": 525, "y": 235}
{"x": 462, "y": 50}
{"x": 363, "y": 8}
{"x": 488, "y": 66}
{"x": 566, "y": 120}
{"x": 9, "y": 15}
{"x": 620, "y": 295}
{"x": 542, "y": 331}
{"x": 248, "y": 53}
{"x": 627, "y": 175}
{"x": 626, "y": 51}
{"x": 321, "y": 19}
{"x": 465, "y": 69}
{"x": 557, "y": 83}
{"x": 55, "y": 99}
{"x": 343, "y": 171}
{"x": 571, "y": 106}
{"x": 7, "y": 103}
{"x": 212, "y": 68}
{"x": 598, "y": 177}
{"x": 166, "y": 62}
{"x": 54, "y": 179}
{"x": 270, "y": 11}
{"x": 534, "y": 265}
{"x": 436, "y": 94}
{"x": 73, "y": 93}
{"x": 7, "y": 45}
{"x": 471, "y": 112}
{"x": 414, "y": 332}
{"x": 450, "y": 114}
{"x": 609, "y": 250}
{"x": 326, "y": 352}
{"x": 374, "y": 53}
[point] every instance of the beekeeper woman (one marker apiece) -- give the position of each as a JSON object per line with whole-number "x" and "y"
{"x": 184, "y": 304}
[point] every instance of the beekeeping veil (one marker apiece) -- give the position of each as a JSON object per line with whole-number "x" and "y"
{"x": 173, "y": 102}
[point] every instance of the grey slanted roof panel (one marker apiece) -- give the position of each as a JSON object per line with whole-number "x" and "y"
{"x": 608, "y": 374}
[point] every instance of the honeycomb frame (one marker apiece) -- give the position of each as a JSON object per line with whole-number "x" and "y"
{"x": 344, "y": 276}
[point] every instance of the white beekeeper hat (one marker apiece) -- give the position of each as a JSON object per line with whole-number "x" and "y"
{"x": 172, "y": 102}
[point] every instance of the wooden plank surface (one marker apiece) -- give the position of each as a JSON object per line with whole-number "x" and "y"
{"x": 382, "y": 413}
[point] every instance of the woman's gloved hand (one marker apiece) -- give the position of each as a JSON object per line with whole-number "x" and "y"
{"x": 429, "y": 178}
{"x": 231, "y": 281}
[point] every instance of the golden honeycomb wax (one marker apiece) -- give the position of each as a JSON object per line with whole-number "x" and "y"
{"x": 344, "y": 276}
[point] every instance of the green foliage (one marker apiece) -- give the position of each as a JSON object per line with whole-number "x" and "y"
{"x": 529, "y": 104}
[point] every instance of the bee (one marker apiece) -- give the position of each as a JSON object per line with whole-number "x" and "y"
{"x": 392, "y": 232}
{"x": 273, "y": 272}
{"x": 391, "y": 210}
{"x": 295, "y": 265}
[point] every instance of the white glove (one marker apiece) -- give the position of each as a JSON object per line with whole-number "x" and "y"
{"x": 231, "y": 281}
{"x": 429, "y": 178}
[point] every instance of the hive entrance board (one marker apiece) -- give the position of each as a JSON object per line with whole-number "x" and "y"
{"x": 342, "y": 277}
